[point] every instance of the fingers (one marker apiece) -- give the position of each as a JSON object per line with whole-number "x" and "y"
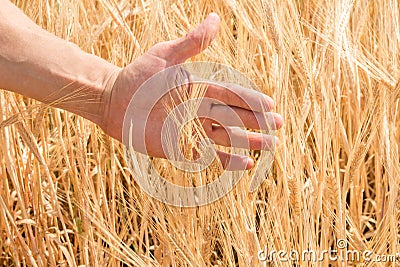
{"x": 236, "y": 137}
{"x": 233, "y": 162}
{"x": 196, "y": 40}
{"x": 238, "y": 96}
{"x": 233, "y": 116}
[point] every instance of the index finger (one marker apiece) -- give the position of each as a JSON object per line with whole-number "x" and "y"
{"x": 238, "y": 96}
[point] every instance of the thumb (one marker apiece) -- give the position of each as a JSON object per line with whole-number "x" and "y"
{"x": 196, "y": 40}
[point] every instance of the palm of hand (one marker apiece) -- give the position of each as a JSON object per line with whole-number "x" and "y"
{"x": 150, "y": 122}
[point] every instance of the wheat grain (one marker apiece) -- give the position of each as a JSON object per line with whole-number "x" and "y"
{"x": 68, "y": 197}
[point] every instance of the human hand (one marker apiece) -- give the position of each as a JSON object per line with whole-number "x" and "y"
{"x": 248, "y": 104}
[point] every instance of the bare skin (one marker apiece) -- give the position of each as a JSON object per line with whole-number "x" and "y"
{"x": 58, "y": 72}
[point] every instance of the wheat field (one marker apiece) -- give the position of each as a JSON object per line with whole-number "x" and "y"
{"x": 67, "y": 197}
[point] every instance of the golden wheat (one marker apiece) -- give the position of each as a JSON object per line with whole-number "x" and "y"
{"x": 67, "y": 197}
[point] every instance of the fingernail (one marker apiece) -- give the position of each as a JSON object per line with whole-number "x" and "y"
{"x": 250, "y": 163}
{"x": 277, "y": 141}
{"x": 270, "y": 102}
{"x": 279, "y": 120}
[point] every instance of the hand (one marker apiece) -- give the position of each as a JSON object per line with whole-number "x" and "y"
{"x": 167, "y": 54}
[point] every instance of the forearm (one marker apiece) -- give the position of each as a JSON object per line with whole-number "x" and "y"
{"x": 40, "y": 65}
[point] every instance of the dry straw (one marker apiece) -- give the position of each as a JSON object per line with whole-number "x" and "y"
{"x": 68, "y": 199}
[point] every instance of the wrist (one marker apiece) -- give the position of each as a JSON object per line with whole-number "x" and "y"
{"x": 39, "y": 65}
{"x": 88, "y": 83}
{"x": 115, "y": 101}
{"x": 54, "y": 71}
